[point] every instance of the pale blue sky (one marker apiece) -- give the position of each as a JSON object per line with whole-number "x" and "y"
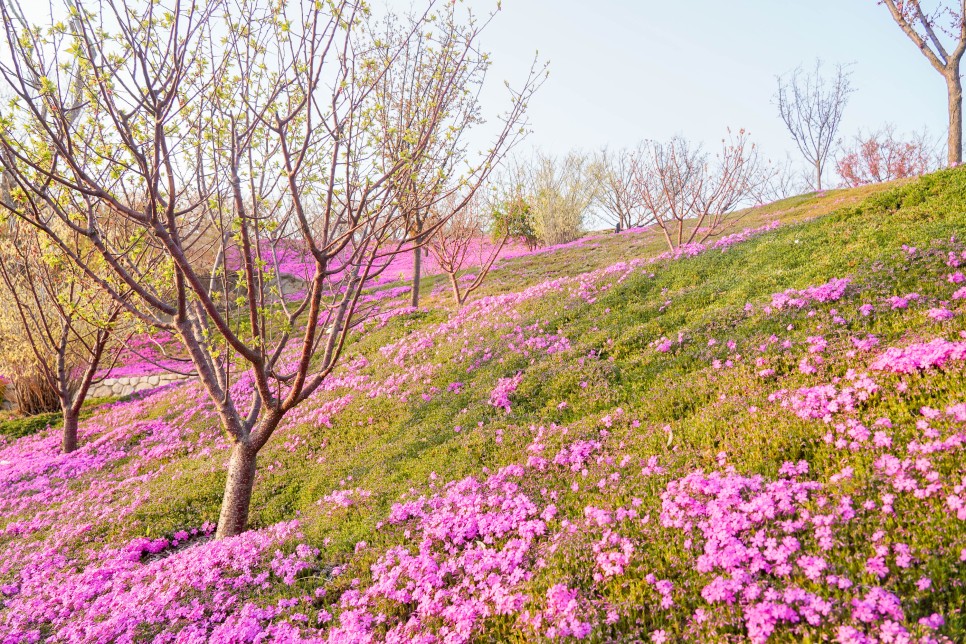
{"x": 626, "y": 70}
{"x": 623, "y": 70}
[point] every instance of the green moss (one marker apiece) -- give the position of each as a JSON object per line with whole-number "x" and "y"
{"x": 20, "y": 427}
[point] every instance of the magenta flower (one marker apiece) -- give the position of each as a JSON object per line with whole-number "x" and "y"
{"x": 500, "y": 396}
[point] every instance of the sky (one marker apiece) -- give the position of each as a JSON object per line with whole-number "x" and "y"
{"x": 626, "y": 70}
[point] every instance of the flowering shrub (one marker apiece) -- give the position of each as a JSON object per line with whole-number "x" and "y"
{"x": 883, "y": 156}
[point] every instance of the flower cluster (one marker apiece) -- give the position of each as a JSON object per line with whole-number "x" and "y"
{"x": 500, "y": 396}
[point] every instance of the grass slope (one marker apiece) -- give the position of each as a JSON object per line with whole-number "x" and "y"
{"x": 648, "y": 414}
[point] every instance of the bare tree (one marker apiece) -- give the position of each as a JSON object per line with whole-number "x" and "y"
{"x": 407, "y": 88}
{"x": 811, "y": 106}
{"x": 263, "y": 117}
{"x": 691, "y": 196}
{"x": 64, "y": 321}
{"x": 616, "y": 188}
{"x": 475, "y": 233}
{"x": 414, "y": 87}
{"x": 885, "y": 156}
{"x": 783, "y": 181}
{"x": 927, "y": 29}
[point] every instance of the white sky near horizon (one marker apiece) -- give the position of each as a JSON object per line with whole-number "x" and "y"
{"x": 626, "y": 70}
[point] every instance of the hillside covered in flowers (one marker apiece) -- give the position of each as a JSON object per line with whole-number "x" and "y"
{"x": 761, "y": 438}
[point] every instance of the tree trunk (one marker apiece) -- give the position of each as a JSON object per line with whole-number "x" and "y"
{"x": 954, "y": 85}
{"x": 213, "y": 279}
{"x": 238, "y": 491}
{"x": 818, "y": 176}
{"x": 457, "y": 295}
{"x": 69, "y": 442}
{"x": 417, "y": 271}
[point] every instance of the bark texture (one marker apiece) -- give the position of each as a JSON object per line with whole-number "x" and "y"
{"x": 238, "y": 491}
{"x": 954, "y": 85}
{"x": 69, "y": 441}
{"x": 417, "y": 275}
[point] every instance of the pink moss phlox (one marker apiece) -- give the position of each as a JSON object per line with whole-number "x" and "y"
{"x": 500, "y": 396}
{"x": 831, "y": 291}
{"x": 920, "y": 356}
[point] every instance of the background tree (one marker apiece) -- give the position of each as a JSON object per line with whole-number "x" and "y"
{"x": 811, "y": 105}
{"x": 476, "y": 232}
{"x": 616, "y": 193}
{"x": 463, "y": 243}
{"x": 508, "y": 203}
{"x": 434, "y": 72}
{"x": 784, "y": 181}
{"x": 927, "y": 29}
{"x": 262, "y": 115}
{"x": 691, "y": 196}
{"x": 31, "y": 391}
{"x": 511, "y": 214}
{"x": 884, "y": 156}
{"x": 560, "y": 191}
{"x": 59, "y": 327}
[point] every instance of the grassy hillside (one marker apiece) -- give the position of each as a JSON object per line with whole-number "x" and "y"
{"x": 757, "y": 440}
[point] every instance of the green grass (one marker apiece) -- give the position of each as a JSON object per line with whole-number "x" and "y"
{"x": 17, "y": 427}
{"x": 407, "y": 441}
{"x": 20, "y": 427}
{"x": 687, "y": 411}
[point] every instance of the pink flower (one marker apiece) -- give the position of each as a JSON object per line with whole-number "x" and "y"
{"x": 920, "y": 356}
{"x": 934, "y": 621}
{"x": 831, "y": 291}
{"x": 940, "y": 314}
{"x": 865, "y": 344}
{"x": 806, "y": 367}
{"x": 500, "y": 396}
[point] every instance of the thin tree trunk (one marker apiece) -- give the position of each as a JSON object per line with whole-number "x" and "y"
{"x": 69, "y": 441}
{"x": 456, "y": 290}
{"x": 417, "y": 272}
{"x": 213, "y": 279}
{"x": 238, "y": 491}
{"x": 818, "y": 176}
{"x": 954, "y": 85}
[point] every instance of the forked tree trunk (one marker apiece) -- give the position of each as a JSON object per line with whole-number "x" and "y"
{"x": 954, "y": 86}
{"x": 457, "y": 294}
{"x": 238, "y": 491}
